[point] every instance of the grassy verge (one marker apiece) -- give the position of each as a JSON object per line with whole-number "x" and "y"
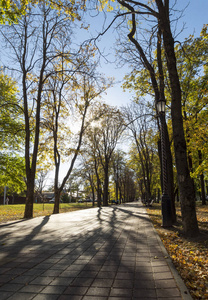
{"x": 189, "y": 255}
{"x": 16, "y": 212}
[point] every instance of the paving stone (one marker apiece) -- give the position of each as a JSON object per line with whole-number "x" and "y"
{"x": 6, "y": 278}
{"x": 144, "y": 293}
{"x": 109, "y": 268}
{"x": 53, "y": 289}
{"x": 118, "y": 292}
{"x": 163, "y": 275}
{"x": 82, "y": 281}
{"x": 105, "y": 275}
{"x": 144, "y": 298}
{"x": 16, "y": 271}
{"x": 3, "y": 270}
{"x": 11, "y": 264}
{"x": 96, "y": 254}
{"x": 128, "y": 263}
{"x": 122, "y": 283}
{"x": 34, "y": 272}
{"x": 42, "y": 280}
{"x": 23, "y": 279}
{"x": 169, "y": 298}
{"x": 31, "y": 288}
{"x": 66, "y": 297}
{"x": 27, "y": 265}
{"x": 161, "y": 269}
{"x": 43, "y": 266}
{"x": 94, "y": 268}
{"x": 144, "y": 276}
{"x": 81, "y": 262}
{"x": 125, "y": 275}
{"x": 62, "y": 281}
{"x": 156, "y": 263}
{"x": 48, "y": 297}
{"x": 102, "y": 282}
{"x": 143, "y": 269}
{"x": 61, "y": 267}
{"x": 22, "y": 296}
{"x": 140, "y": 264}
{"x": 76, "y": 290}
{"x": 170, "y": 292}
{"x": 119, "y": 298}
{"x": 94, "y": 298}
{"x": 144, "y": 284}
{"x": 69, "y": 274}
{"x": 10, "y": 287}
{"x": 87, "y": 274}
{"x": 75, "y": 267}
{"x": 98, "y": 291}
{"x": 5, "y": 295}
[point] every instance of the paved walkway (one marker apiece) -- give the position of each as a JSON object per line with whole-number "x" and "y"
{"x": 95, "y": 254}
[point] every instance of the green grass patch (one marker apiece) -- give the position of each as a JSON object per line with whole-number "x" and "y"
{"x": 16, "y": 211}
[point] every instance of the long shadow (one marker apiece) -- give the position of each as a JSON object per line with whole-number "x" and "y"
{"x": 7, "y": 225}
{"x": 94, "y": 252}
{"x": 102, "y": 269}
{"x": 20, "y": 244}
{"x": 99, "y": 214}
{"x": 134, "y": 214}
{"x": 12, "y": 223}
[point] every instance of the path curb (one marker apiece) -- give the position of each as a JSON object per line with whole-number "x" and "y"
{"x": 180, "y": 283}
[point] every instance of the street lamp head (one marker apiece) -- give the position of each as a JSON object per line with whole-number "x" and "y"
{"x": 160, "y": 105}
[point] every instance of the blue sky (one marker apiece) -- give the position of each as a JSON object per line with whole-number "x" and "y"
{"x": 194, "y": 17}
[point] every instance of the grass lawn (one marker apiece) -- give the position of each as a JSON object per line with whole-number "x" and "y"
{"x": 189, "y": 255}
{"x": 16, "y": 211}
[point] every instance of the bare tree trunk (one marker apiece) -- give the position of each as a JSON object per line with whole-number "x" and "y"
{"x": 202, "y": 180}
{"x": 98, "y": 183}
{"x": 92, "y": 186}
{"x": 106, "y": 183}
{"x": 185, "y": 183}
{"x": 29, "y": 197}
{"x": 57, "y": 194}
{"x": 170, "y": 175}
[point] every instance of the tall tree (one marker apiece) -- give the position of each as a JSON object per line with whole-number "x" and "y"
{"x": 142, "y": 130}
{"x": 71, "y": 95}
{"x": 90, "y": 149}
{"x": 158, "y": 12}
{"x": 33, "y": 45}
{"x": 118, "y": 164}
{"x": 192, "y": 66}
{"x": 106, "y": 134}
{"x": 12, "y": 167}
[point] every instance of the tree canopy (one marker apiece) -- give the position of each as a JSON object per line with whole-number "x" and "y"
{"x": 12, "y": 168}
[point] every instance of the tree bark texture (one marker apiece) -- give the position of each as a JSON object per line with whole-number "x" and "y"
{"x": 202, "y": 180}
{"x": 57, "y": 194}
{"x": 106, "y": 183}
{"x": 185, "y": 183}
{"x": 29, "y": 197}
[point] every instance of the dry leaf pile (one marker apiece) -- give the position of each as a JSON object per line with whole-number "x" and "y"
{"x": 190, "y": 256}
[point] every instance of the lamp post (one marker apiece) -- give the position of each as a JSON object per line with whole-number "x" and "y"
{"x": 166, "y": 203}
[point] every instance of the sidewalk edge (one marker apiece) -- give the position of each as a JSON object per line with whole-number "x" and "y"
{"x": 179, "y": 281}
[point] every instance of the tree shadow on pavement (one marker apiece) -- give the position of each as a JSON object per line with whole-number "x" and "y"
{"x": 106, "y": 250}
